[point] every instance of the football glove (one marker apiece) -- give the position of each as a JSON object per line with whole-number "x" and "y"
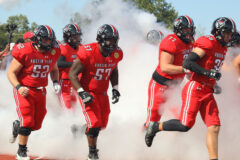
{"x": 56, "y": 87}
{"x": 214, "y": 74}
{"x": 115, "y": 96}
{"x": 85, "y": 96}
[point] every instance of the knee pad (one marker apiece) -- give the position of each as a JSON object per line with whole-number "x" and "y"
{"x": 184, "y": 128}
{"x": 175, "y": 125}
{"x": 92, "y": 132}
{"x": 25, "y": 131}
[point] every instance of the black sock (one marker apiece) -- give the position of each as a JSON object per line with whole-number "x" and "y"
{"x": 92, "y": 148}
{"x": 22, "y": 146}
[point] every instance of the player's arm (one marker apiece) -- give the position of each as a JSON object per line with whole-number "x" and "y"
{"x": 62, "y": 63}
{"x": 13, "y": 71}
{"x": 114, "y": 77}
{"x": 76, "y": 68}
{"x": 190, "y": 63}
{"x": 54, "y": 73}
{"x": 192, "y": 58}
{"x": 114, "y": 82}
{"x": 166, "y": 64}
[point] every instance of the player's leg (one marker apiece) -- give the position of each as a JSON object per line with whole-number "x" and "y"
{"x": 209, "y": 114}
{"x": 156, "y": 98}
{"x": 65, "y": 95}
{"x": 92, "y": 136}
{"x": 105, "y": 109}
{"x": 40, "y": 108}
{"x": 92, "y": 116}
{"x": 25, "y": 110}
{"x": 190, "y": 107}
{"x": 212, "y": 141}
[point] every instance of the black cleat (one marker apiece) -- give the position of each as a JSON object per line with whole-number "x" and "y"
{"x": 22, "y": 154}
{"x": 93, "y": 154}
{"x": 15, "y": 128}
{"x": 153, "y": 128}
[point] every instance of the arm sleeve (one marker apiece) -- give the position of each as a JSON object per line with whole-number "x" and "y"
{"x": 190, "y": 63}
{"x": 62, "y": 63}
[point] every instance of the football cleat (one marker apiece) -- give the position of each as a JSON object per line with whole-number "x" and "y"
{"x": 22, "y": 154}
{"x": 153, "y": 128}
{"x": 93, "y": 154}
{"x": 15, "y": 128}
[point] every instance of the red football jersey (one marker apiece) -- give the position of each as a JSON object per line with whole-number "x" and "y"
{"x": 70, "y": 54}
{"x": 36, "y": 65}
{"x": 98, "y": 68}
{"x": 175, "y": 46}
{"x": 213, "y": 59}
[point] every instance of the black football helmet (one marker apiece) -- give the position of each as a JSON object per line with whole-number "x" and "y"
{"x": 69, "y": 31}
{"x": 222, "y": 25}
{"x": 181, "y": 23}
{"x": 105, "y": 33}
{"x": 154, "y": 36}
{"x": 44, "y": 32}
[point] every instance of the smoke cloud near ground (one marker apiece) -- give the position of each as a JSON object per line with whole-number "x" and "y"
{"x": 124, "y": 138}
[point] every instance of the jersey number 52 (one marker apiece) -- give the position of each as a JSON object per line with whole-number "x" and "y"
{"x": 40, "y": 71}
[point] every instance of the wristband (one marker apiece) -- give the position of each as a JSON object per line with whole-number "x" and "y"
{"x": 18, "y": 86}
{"x": 80, "y": 89}
{"x": 115, "y": 87}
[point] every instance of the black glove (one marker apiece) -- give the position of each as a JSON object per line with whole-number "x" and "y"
{"x": 85, "y": 96}
{"x": 217, "y": 89}
{"x": 214, "y": 74}
{"x": 115, "y": 96}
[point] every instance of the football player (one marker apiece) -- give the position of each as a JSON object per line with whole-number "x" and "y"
{"x": 28, "y": 73}
{"x": 72, "y": 38}
{"x": 169, "y": 71}
{"x": 205, "y": 62}
{"x": 97, "y": 62}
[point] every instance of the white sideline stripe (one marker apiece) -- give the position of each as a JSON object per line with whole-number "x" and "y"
{"x": 18, "y": 108}
{"x": 151, "y": 102}
{"x": 85, "y": 114}
{"x": 186, "y": 107}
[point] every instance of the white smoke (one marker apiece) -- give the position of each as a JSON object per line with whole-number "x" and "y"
{"x": 124, "y": 138}
{"x": 9, "y": 4}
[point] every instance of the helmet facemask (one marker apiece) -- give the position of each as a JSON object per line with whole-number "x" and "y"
{"x": 220, "y": 27}
{"x": 109, "y": 45}
{"x": 184, "y": 28}
{"x": 72, "y": 35}
{"x": 44, "y": 38}
{"x": 107, "y": 38}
